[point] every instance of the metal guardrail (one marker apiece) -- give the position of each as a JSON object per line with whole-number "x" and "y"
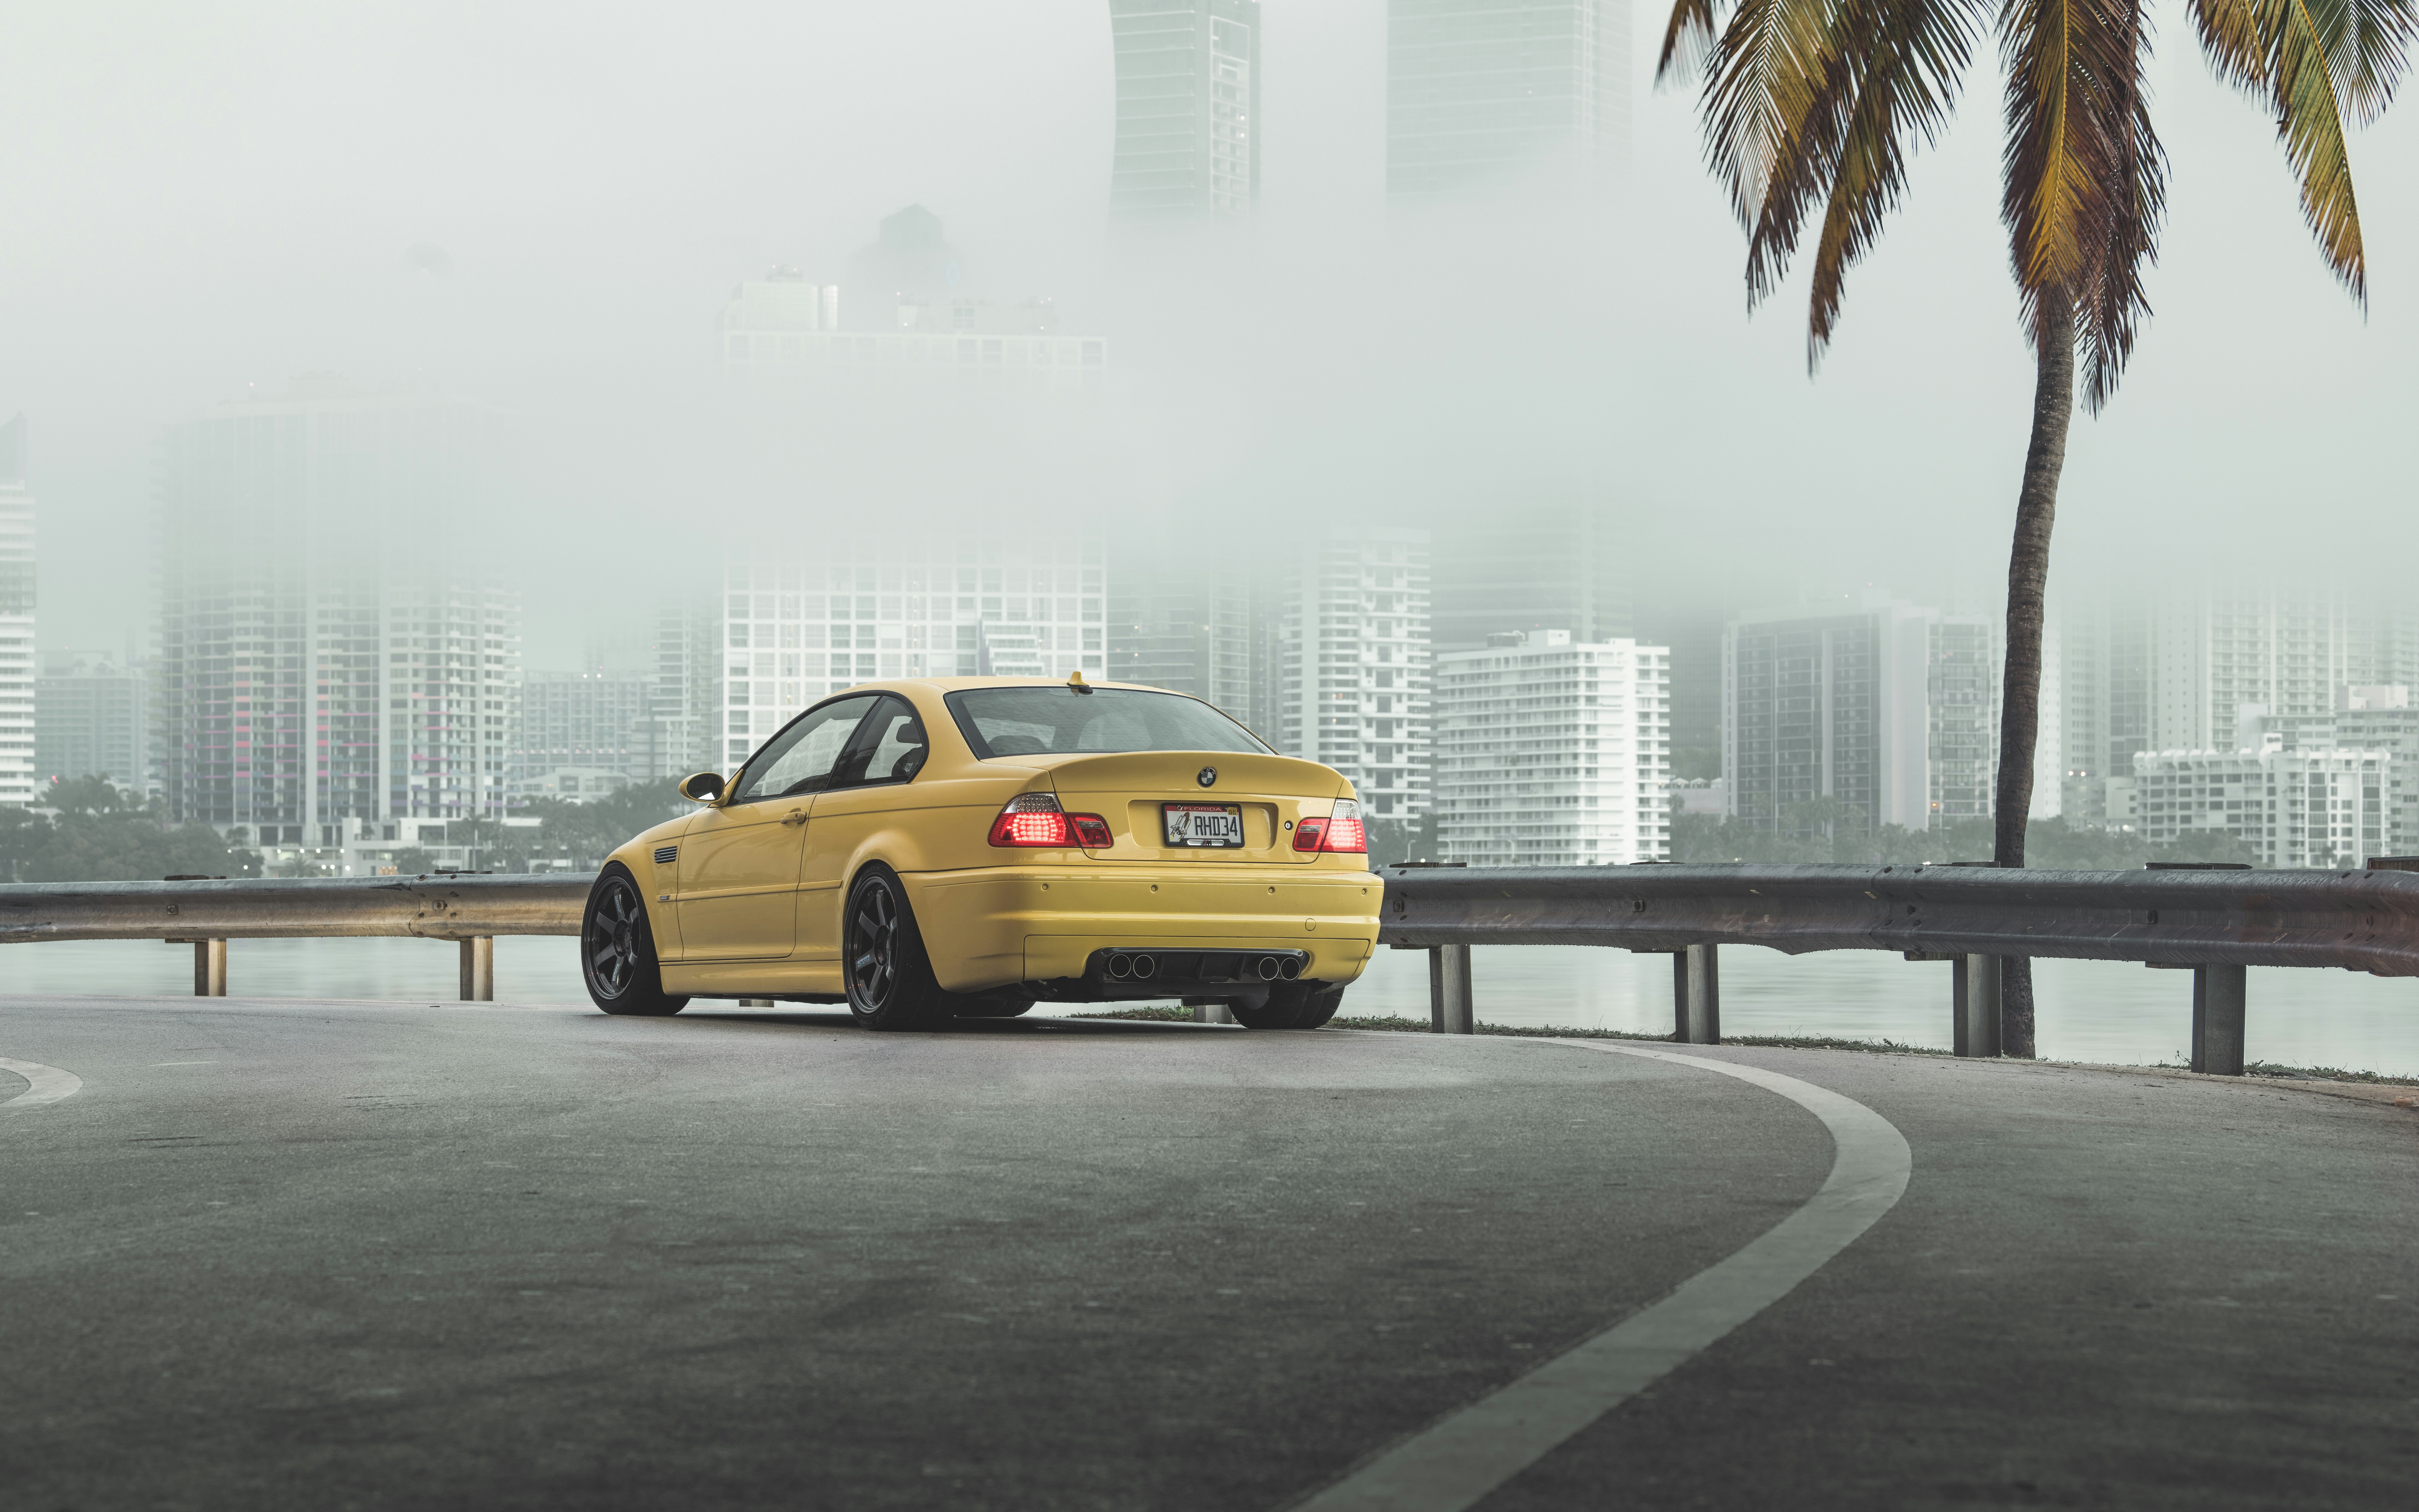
{"x": 470, "y": 909}
{"x": 2215, "y": 922}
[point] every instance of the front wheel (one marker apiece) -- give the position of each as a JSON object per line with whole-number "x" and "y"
{"x": 1293, "y": 1005}
{"x": 617, "y": 951}
{"x": 890, "y": 983}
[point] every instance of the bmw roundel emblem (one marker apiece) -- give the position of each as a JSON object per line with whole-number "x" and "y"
{"x": 1206, "y": 776}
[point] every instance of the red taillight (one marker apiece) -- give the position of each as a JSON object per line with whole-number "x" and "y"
{"x": 1033, "y": 819}
{"x": 1344, "y": 831}
{"x": 1341, "y": 831}
{"x": 1091, "y": 831}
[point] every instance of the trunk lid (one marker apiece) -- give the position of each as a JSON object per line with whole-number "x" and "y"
{"x": 1132, "y": 790}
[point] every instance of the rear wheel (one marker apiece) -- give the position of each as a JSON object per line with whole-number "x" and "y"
{"x": 1293, "y": 1005}
{"x": 890, "y": 983}
{"x": 617, "y": 950}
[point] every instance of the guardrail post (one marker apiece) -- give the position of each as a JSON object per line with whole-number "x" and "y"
{"x": 209, "y": 969}
{"x": 2218, "y": 997}
{"x": 1450, "y": 1010}
{"x": 1974, "y": 1022}
{"x": 1696, "y": 995}
{"x": 479, "y": 969}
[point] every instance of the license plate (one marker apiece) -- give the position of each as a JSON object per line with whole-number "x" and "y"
{"x": 1211, "y": 825}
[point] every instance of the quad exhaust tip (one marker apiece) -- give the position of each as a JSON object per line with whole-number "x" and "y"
{"x": 1140, "y": 967}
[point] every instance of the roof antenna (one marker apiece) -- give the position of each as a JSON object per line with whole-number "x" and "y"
{"x": 1075, "y": 682}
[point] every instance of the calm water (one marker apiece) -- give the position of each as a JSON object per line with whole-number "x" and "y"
{"x": 2089, "y": 1010}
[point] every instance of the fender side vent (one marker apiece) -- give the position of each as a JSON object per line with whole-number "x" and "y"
{"x": 665, "y": 855}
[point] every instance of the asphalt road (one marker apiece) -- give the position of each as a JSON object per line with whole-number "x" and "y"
{"x": 347, "y": 1255}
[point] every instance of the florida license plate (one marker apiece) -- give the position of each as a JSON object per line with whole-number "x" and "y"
{"x": 1204, "y": 825}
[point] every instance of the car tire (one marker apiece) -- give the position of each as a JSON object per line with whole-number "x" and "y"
{"x": 617, "y": 950}
{"x": 882, "y": 957}
{"x": 1292, "y": 1004}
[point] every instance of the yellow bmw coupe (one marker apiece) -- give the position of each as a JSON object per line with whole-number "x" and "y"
{"x": 965, "y": 847}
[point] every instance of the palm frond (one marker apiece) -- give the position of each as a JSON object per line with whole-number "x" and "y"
{"x": 1775, "y": 97}
{"x": 2111, "y": 306}
{"x": 1906, "y": 60}
{"x": 2084, "y": 177}
{"x": 1688, "y": 38}
{"x": 2313, "y": 62}
{"x": 2366, "y": 44}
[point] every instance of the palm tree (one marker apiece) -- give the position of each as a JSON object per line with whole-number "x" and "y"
{"x": 1811, "y": 108}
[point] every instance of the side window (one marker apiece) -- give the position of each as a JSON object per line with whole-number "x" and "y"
{"x": 800, "y": 758}
{"x": 892, "y": 748}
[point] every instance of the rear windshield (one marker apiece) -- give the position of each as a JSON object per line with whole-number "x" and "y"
{"x": 1059, "y": 721}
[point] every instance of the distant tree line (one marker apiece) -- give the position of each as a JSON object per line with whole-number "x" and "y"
{"x": 1825, "y": 830}
{"x": 97, "y": 834}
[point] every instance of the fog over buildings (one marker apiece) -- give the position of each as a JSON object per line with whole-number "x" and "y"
{"x": 1171, "y": 339}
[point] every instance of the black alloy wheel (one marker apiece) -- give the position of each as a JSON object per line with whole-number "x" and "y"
{"x": 890, "y": 983}
{"x": 617, "y": 950}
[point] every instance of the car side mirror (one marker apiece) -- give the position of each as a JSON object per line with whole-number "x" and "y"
{"x": 701, "y": 787}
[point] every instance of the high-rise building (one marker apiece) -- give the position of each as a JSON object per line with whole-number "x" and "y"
{"x": 1188, "y": 101}
{"x": 93, "y": 713}
{"x": 339, "y": 661}
{"x": 1345, "y": 680}
{"x": 1181, "y": 620}
{"x": 1501, "y": 566}
{"x": 1551, "y": 751}
{"x": 2105, "y": 702}
{"x": 684, "y": 715}
{"x": 593, "y": 723}
{"x": 800, "y": 626}
{"x": 17, "y": 713}
{"x": 1480, "y": 93}
{"x": 1853, "y": 718}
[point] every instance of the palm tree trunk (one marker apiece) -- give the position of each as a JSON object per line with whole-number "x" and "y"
{"x": 2028, "y": 583}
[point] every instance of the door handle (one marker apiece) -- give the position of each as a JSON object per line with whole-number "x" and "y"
{"x": 795, "y": 816}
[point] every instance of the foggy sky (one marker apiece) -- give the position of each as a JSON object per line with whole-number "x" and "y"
{"x": 203, "y": 202}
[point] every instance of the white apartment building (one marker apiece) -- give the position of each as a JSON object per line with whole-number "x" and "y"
{"x": 1348, "y": 677}
{"x": 17, "y": 775}
{"x": 2169, "y": 668}
{"x": 2293, "y": 808}
{"x": 1553, "y": 752}
{"x": 798, "y": 628}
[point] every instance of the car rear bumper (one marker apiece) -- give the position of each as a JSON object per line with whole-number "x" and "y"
{"x": 1003, "y": 925}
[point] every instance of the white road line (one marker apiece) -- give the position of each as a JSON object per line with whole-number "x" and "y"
{"x": 50, "y": 1084}
{"x": 1450, "y": 1465}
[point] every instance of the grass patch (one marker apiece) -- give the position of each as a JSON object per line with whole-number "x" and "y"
{"x": 2325, "y": 1074}
{"x": 1541, "y": 1031}
{"x": 1525, "y": 1031}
